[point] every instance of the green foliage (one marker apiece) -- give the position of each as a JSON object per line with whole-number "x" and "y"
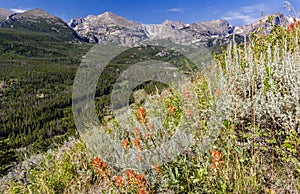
{"x": 7, "y": 156}
{"x": 59, "y": 171}
{"x": 36, "y": 70}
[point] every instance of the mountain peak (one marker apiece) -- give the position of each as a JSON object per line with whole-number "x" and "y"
{"x": 108, "y": 14}
{"x": 111, "y": 18}
{"x": 36, "y": 13}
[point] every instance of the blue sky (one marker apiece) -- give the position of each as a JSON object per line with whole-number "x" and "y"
{"x": 156, "y": 11}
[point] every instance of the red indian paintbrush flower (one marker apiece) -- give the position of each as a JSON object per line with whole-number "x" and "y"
{"x": 141, "y": 113}
{"x": 150, "y": 126}
{"x": 118, "y": 181}
{"x": 172, "y": 109}
{"x": 156, "y": 168}
{"x": 96, "y": 162}
{"x": 125, "y": 144}
{"x": 216, "y": 161}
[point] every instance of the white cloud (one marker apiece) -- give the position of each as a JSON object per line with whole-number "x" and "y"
{"x": 245, "y": 15}
{"x": 18, "y": 10}
{"x": 253, "y": 8}
{"x": 239, "y": 16}
{"x": 177, "y": 10}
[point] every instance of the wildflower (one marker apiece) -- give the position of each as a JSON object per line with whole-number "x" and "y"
{"x": 141, "y": 191}
{"x": 103, "y": 165}
{"x": 96, "y": 162}
{"x": 187, "y": 95}
{"x": 216, "y": 161}
{"x": 119, "y": 181}
{"x": 136, "y": 142}
{"x": 139, "y": 158}
{"x": 129, "y": 172}
{"x": 217, "y": 92}
{"x": 293, "y": 25}
{"x": 141, "y": 113}
{"x": 172, "y": 109}
{"x": 125, "y": 144}
{"x": 141, "y": 181}
{"x": 148, "y": 136}
{"x": 137, "y": 132}
{"x": 216, "y": 156}
{"x": 156, "y": 168}
{"x": 188, "y": 112}
{"x": 150, "y": 126}
{"x": 101, "y": 168}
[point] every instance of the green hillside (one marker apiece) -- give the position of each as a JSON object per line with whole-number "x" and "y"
{"x": 36, "y": 74}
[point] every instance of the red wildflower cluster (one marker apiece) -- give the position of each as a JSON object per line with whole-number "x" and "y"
{"x": 295, "y": 24}
{"x": 119, "y": 181}
{"x": 172, "y": 109}
{"x": 129, "y": 181}
{"x": 137, "y": 143}
{"x": 132, "y": 180}
{"x": 141, "y": 113}
{"x": 125, "y": 144}
{"x": 216, "y": 165}
{"x": 101, "y": 167}
{"x": 136, "y": 179}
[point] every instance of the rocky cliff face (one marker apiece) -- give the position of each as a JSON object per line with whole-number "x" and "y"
{"x": 75, "y": 22}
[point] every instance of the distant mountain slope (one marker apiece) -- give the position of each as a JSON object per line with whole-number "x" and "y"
{"x": 37, "y": 20}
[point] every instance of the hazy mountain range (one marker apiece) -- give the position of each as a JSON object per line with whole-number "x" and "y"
{"x": 109, "y": 27}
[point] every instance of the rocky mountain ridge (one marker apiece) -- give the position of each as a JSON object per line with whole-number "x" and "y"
{"x": 109, "y": 27}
